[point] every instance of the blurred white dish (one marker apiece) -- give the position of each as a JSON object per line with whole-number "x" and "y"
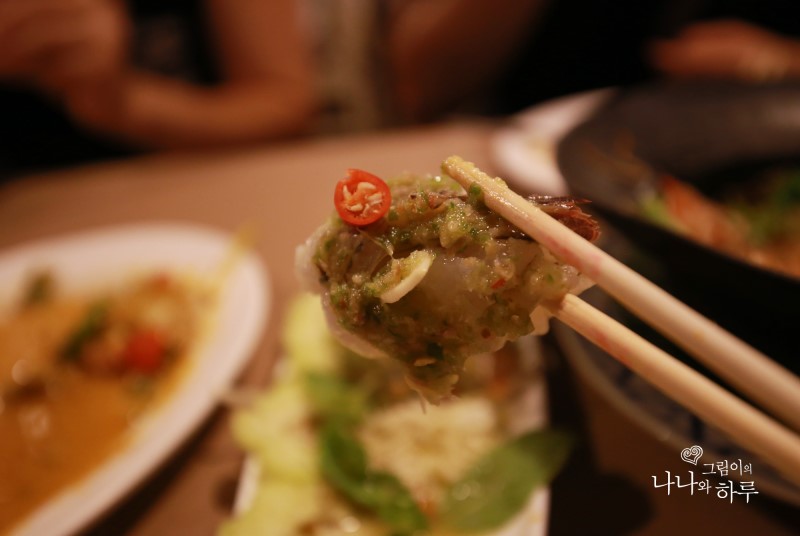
{"x": 101, "y": 257}
{"x": 532, "y": 413}
{"x": 524, "y": 151}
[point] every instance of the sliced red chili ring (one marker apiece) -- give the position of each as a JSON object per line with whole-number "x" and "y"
{"x": 361, "y": 198}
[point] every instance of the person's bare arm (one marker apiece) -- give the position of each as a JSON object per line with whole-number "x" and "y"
{"x": 727, "y": 49}
{"x": 267, "y": 89}
{"x": 48, "y": 45}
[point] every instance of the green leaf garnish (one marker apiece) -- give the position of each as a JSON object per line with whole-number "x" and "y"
{"x": 499, "y": 484}
{"x": 344, "y": 464}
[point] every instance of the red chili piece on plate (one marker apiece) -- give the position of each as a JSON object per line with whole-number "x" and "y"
{"x": 145, "y": 351}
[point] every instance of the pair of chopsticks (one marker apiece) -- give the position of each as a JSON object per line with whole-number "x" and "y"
{"x": 750, "y": 371}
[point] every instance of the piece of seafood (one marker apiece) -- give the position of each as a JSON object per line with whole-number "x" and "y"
{"x": 438, "y": 278}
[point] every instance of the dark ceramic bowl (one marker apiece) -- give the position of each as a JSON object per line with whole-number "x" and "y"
{"x": 707, "y": 134}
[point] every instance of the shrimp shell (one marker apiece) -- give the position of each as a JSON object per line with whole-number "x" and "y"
{"x": 565, "y": 209}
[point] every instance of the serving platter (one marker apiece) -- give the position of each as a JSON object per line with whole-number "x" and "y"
{"x": 98, "y": 258}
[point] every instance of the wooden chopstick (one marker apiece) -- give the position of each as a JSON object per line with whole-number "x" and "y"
{"x": 753, "y": 373}
{"x": 761, "y": 378}
{"x": 749, "y": 427}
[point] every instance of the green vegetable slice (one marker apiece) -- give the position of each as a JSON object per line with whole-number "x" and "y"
{"x": 499, "y": 484}
{"x": 334, "y": 399}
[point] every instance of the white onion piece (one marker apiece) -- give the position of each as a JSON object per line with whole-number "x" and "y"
{"x": 347, "y": 338}
{"x": 416, "y": 267}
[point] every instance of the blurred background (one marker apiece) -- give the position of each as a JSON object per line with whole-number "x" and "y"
{"x": 83, "y": 80}
{"x": 236, "y": 83}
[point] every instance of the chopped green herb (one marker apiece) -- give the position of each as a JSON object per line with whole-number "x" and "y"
{"x": 475, "y": 194}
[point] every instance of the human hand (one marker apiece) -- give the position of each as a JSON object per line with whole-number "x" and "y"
{"x": 58, "y": 45}
{"x": 726, "y": 49}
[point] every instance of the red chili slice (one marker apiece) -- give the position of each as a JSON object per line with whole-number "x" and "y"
{"x": 361, "y": 198}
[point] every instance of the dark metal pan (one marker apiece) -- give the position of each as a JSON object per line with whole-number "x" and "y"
{"x": 706, "y": 134}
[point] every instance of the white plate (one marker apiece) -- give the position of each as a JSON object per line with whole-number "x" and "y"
{"x": 103, "y": 257}
{"x": 525, "y": 150}
{"x": 531, "y": 414}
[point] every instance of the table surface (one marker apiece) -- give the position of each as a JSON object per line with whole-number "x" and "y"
{"x": 283, "y": 191}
